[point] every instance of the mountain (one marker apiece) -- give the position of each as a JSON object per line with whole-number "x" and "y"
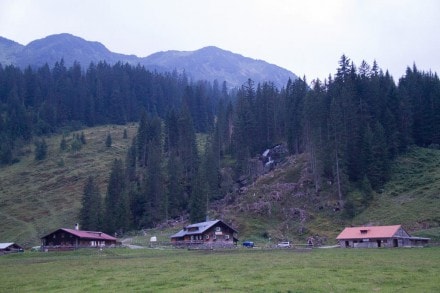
{"x": 8, "y": 50}
{"x": 219, "y": 64}
{"x": 69, "y": 48}
{"x": 208, "y": 63}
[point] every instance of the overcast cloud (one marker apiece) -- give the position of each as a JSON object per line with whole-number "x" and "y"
{"x": 306, "y": 37}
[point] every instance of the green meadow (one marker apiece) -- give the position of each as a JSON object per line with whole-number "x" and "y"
{"x": 236, "y": 270}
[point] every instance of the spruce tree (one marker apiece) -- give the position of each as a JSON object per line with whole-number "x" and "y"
{"x": 63, "y": 144}
{"x": 108, "y": 140}
{"x": 91, "y": 213}
{"x": 198, "y": 200}
{"x": 40, "y": 149}
{"x": 116, "y": 201}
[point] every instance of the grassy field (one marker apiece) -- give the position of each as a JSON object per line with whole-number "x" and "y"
{"x": 237, "y": 270}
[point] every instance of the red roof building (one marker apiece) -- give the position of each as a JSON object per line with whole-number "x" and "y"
{"x": 68, "y": 239}
{"x": 378, "y": 236}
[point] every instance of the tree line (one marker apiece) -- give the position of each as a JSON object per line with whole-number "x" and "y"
{"x": 195, "y": 138}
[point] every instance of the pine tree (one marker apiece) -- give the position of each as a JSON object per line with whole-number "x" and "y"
{"x": 108, "y": 140}
{"x": 63, "y": 144}
{"x": 198, "y": 200}
{"x": 40, "y": 149}
{"x": 177, "y": 201}
{"x": 378, "y": 172}
{"x": 117, "y": 207}
{"x": 82, "y": 138}
{"x": 294, "y": 107}
{"x": 91, "y": 213}
{"x": 187, "y": 149}
{"x": 211, "y": 169}
{"x": 245, "y": 128}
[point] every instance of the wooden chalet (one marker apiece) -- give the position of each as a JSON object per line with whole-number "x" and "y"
{"x": 69, "y": 239}
{"x": 379, "y": 236}
{"x": 209, "y": 234}
{"x": 10, "y": 247}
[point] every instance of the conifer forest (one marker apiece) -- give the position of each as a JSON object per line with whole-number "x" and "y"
{"x": 195, "y": 136}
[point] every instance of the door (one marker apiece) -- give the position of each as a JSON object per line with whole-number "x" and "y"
{"x": 395, "y": 243}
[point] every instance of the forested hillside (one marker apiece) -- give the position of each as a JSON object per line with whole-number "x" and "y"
{"x": 195, "y": 140}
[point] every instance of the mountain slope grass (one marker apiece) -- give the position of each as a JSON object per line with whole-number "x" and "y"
{"x": 39, "y": 196}
{"x": 411, "y": 197}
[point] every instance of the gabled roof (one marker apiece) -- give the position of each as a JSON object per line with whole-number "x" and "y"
{"x": 8, "y": 244}
{"x": 369, "y": 232}
{"x": 201, "y": 227}
{"x": 95, "y": 235}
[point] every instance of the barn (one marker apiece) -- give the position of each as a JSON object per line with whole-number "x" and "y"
{"x": 379, "y": 236}
{"x": 209, "y": 234}
{"x": 69, "y": 239}
{"x": 10, "y": 247}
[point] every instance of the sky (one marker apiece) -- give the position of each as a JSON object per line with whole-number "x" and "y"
{"x": 307, "y": 37}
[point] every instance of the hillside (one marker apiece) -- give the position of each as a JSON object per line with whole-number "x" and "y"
{"x": 282, "y": 205}
{"x": 39, "y": 196}
{"x": 412, "y": 197}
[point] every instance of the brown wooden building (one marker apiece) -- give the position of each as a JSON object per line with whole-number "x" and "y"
{"x": 68, "y": 239}
{"x": 379, "y": 236}
{"x": 209, "y": 234}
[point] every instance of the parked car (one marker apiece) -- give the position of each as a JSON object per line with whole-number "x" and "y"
{"x": 248, "y": 244}
{"x": 285, "y": 244}
{"x": 36, "y": 248}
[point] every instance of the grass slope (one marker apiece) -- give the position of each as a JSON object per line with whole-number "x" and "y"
{"x": 236, "y": 270}
{"x": 39, "y": 196}
{"x": 411, "y": 197}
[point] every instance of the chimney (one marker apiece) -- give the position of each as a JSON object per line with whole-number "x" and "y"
{"x": 76, "y": 226}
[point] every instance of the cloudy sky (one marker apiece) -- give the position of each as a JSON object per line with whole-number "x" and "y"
{"x": 307, "y": 37}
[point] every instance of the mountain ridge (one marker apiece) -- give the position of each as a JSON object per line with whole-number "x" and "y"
{"x": 208, "y": 63}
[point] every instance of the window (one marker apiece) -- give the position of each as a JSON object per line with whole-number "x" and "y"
{"x": 206, "y": 236}
{"x": 364, "y": 231}
{"x": 214, "y": 237}
{"x": 218, "y": 229}
{"x": 226, "y": 237}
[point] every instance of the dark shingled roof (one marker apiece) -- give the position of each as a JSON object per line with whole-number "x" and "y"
{"x": 201, "y": 227}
